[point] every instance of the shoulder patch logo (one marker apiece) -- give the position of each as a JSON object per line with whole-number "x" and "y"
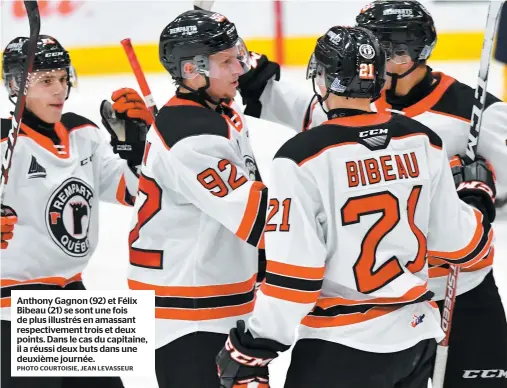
{"x": 68, "y": 215}
{"x": 36, "y": 170}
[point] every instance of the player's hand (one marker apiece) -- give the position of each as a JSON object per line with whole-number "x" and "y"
{"x": 245, "y": 359}
{"x": 127, "y": 120}
{"x": 253, "y": 82}
{"x": 8, "y": 220}
{"x": 476, "y": 184}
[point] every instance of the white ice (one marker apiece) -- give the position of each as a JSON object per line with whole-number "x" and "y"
{"x": 107, "y": 268}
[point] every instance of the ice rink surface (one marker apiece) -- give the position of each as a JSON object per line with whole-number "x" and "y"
{"x": 108, "y": 267}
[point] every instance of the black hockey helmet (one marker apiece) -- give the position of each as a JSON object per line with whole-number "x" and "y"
{"x": 50, "y": 55}
{"x": 403, "y": 27}
{"x": 348, "y": 62}
{"x": 192, "y": 37}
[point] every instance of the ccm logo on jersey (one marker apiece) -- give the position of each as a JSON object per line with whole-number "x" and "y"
{"x": 485, "y": 374}
{"x": 68, "y": 216}
{"x": 373, "y": 132}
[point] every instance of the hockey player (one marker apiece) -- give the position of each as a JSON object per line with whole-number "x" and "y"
{"x": 360, "y": 200}
{"x": 62, "y": 166}
{"x": 200, "y": 215}
{"x": 445, "y": 105}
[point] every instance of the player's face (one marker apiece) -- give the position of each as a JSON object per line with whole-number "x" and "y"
{"x": 225, "y": 70}
{"x": 46, "y": 94}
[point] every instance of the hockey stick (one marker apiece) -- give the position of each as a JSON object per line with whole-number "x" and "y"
{"x": 32, "y": 11}
{"x": 471, "y": 152}
{"x": 139, "y": 74}
{"x": 136, "y": 66}
{"x": 204, "y": 5}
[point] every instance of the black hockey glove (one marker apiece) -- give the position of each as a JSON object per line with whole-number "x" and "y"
{"x": 127, "y": 120}
{"x": 245, "y": 359}
{"x": 475, "y": 184}
{"x": 253, "y": 82}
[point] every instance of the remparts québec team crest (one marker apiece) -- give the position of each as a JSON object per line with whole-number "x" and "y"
{"x": 68, "y": 216}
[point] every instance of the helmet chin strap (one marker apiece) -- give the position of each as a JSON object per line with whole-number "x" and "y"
{"x": 396, "y": 77}
{"x": 201, "y": 92}
{"x": 319, "y": 97}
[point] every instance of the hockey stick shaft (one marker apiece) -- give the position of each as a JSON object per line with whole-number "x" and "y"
{"x": 203, "y": 4}
{"x": 32, "y": 11}
{"x": 136, "y": 66}
{"x": 139, "y": 74}
{"x": 470, "y": 155}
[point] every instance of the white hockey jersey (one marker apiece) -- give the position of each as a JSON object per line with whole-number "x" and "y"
{"x": 446, "y": 110}
{"x": 200, "y": 219}
{"x": 354, "y": 206}
{"x": 55, "y": 183}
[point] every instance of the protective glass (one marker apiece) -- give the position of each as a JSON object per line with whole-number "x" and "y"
{"x": 235, "y": 60}
{"x": 397, "y": 52}
{"x": 44, "y": 81}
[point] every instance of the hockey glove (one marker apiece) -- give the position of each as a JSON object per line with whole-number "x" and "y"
{"x": 253, "y": 83}
{"x": 9, "y": 219}
{"x": 245, "y": 359}
{"x": 475, "y": 184}
{"x": 127, "y": 120}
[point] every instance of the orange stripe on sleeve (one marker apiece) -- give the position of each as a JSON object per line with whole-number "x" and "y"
{"x": 343, "y": 320}
{"x": 196, "y": 291}
{"x": 411, "y": 295}
{"x": 204, "y": 314}
{"x": 310, "y": 273}
{"x": 251, "y": 211}
{"x": 290, "y": 295}
{"x": 122, "y": 192}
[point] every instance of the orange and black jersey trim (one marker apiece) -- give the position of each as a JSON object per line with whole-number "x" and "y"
{"x": 199, "y": 303}
{"x": 299, "y": 284}
{"x": 252, "y": 225}
{"x": 438, "y": 93}
{"x": 476, "y": 250}
{"x": 293, "y": 283}
{"x": 184, "y": 117}
{"x": 47, "y": 283}
{"x": 348, "y": 130}
{"x": 52, "y": 137}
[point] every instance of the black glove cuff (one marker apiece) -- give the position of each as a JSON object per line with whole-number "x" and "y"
{"x": 481, "y": 201}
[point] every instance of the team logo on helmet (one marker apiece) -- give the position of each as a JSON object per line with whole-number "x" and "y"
{"x": 367, "y": 51}
{"x": 218, "y": 17}
{"x": 68, "y": 216}
{"x": 366, "y": 8}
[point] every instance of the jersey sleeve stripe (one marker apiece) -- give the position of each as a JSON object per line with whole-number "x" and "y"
{"x": 204, "y": 314}
{"x": 252, "y": 225}
{"x": 440, "y": 268}
{"x": 293, "y": 283}
{"x": 48, "y": 283}
{"x": 291, "y": 295}
{"x": 197, "y": 303}
{"x": 480, "y": 244}
{"x": 411, "y": 296}
{"x": 122, "y": 194}
{"x": 342, "y": 315}
{"x": 295, "y": 271}
{"x": 196, "y": 291}
{"x": 344, "y": 320}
